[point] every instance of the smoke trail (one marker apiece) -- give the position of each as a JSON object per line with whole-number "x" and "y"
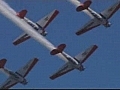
{"x": 77, "y": 3}
{"x": 4, "y": 72}
{"x": 6, "y": 11}
{"x": 7, "y": 6}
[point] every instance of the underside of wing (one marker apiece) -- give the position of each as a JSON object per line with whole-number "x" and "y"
{"x": 91, "y": 24}
{"x": 25, "y": 69}
{"x": 65, "y": 69}
{"x": 45, "y": 21}
{"x": 111, "y": 10}
{"x": 21, "y": 39}
{"x": 8, "y": 83}
{"x": 84, "y": 55}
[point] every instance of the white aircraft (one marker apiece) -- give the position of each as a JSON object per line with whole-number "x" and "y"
{"x": 18, "y": 76}
{"x": 98, "y": 18}
{"x": 73, "y": 62}
{"x": 9, "y": 13}
{"x": 38, "y": 26}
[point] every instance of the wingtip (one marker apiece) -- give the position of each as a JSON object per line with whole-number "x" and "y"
{"x": 95, "y": 46}
{"x": 77, "y": 33}
{"x": 36, "y": 59}
{"x": 14, "y": 43}
{"x": 56, "y": 11}
{"x": 52, "y": 77}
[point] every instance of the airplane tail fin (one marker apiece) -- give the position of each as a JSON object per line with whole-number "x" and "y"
{"x": 45, "y": 21}
{"x": 2, "y": 63}
{"x": 59, "y": 49}
{"x": 22, "y": 14}
{"x": 84, "y": 6}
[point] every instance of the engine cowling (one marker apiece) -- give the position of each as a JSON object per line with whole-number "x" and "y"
{"x": 84, "y": 6}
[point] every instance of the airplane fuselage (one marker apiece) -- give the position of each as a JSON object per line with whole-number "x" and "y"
{"x": 75, "y": 63}
{"x": 36, "y": 27}
{"x": 16, "y": 76}
{"x": 100, "y": 18}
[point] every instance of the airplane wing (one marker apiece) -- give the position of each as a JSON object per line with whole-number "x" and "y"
{"x": 44, "y": 22}
{"x": 111, "y": 10}
{"x": 91, "y": 24}
{"x": 21, "y": 39}
{"x": 25, "y": 69}
{"x": 8, "y": 83}
{"x": 84, "y": 55}
{"x": 65, "y": 69}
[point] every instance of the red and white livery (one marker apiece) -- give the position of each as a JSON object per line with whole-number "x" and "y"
{"x": 72, "y": 62}
{"x": 18, "y": 76}
{"x": 97, "y": 18}
{"x": 84, "y": 6}
{"x": 39, "y": 26}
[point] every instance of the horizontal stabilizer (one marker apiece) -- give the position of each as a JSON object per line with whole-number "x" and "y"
{"x": 22, "y": 14}
{"x": 59, "y": 49}
{"x": 2, "y": 63}
{"x": 83, "y": 6}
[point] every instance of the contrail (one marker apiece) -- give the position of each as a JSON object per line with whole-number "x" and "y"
{"x": 4, "y": 72}
{"x": 77, "y": 3}
{"x": 7, "y": 6}
{"x": 9, "y": 13}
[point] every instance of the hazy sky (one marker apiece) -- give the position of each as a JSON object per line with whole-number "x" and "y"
{"x": 102, "y": 67}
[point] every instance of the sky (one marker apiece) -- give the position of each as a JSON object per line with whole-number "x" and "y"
{"x": 102, "y": 67}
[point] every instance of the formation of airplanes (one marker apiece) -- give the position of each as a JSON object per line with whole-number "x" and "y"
{"x": 40, "y": 26}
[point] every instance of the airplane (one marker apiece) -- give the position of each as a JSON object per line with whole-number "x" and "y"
{"x": 97, "y": 18}
{"x": 18, "y": 76}
{"x": 39, "y": 26}
{"x": 73, "y": 62}
{"x": 11, "y": 15}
